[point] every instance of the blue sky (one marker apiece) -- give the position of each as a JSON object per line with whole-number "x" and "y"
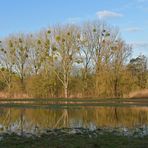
{"x": 131, "y": 16}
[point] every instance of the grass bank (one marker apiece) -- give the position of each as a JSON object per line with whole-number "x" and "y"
{"x": 106, "y": 140}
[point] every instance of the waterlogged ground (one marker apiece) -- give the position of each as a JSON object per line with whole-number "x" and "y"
{"x": 65, "y": 103}
{"x": 74, "y": 123}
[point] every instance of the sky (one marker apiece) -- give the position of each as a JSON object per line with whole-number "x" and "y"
{"x": 130, "y": 16}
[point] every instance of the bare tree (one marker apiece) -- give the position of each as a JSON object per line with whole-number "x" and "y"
{"x": 121, "y": 53}
{"x": 7, "y": 58}
{"x": 64, "y": 51}
{"x": 21, "y": 46}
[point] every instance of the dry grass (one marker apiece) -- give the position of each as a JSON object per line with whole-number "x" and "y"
{"x": 139, "y": 94}
{"x": 5, "y": 95}
{"x": 134, "y": 94}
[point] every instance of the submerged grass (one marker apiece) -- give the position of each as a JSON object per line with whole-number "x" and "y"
{"x": 76, "y": 100}
{"x": 67, "y": 106}
{"x": 71, "y": 103}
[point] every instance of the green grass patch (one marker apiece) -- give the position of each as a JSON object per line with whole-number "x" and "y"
{"x": 106, "y": 140}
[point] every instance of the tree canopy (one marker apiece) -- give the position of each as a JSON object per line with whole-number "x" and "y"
{"x": 70, "y": 60}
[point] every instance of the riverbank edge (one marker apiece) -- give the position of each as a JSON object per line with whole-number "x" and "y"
{"x": 74, "y": 138}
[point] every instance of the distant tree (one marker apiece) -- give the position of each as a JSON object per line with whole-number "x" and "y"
{"x": 138, "y": 68}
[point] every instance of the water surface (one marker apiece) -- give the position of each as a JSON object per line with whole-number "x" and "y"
{"x": 37, "y": 120}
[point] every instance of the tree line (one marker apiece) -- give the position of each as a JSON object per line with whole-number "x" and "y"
{"x": 87, "y": 60}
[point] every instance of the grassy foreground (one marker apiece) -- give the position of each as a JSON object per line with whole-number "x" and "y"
{"x": 107, "y": 140}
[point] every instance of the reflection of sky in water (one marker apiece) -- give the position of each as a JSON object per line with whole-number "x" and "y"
{"x": 39, "y": 120}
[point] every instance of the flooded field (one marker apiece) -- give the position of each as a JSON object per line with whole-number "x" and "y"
{"x": 38, "y": 120}
{"x": 79, "y": 123}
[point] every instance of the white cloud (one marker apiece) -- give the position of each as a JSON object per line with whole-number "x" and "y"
{"x": 133, "y": 29}
{"x": 139, "y": 44}
{"x": 108, "y": 14}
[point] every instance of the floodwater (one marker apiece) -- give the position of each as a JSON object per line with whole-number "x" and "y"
{"x": 37, "y": 120}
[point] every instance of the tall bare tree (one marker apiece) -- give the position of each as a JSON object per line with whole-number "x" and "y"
{"x": 64, "y": 53}
{"x": 7, "y": 58}
{"x": 21, "y": 45}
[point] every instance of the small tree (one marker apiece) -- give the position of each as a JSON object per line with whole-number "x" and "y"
{"x": 138, "y": 68}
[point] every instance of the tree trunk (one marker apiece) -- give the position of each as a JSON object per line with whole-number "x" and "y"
{"x": 22, "y": 84}
{"x": 66, "y": 91}
{"x": 65, "y": 83}
{"x": 21, "y": 118}
{"x": 85, "y": 92}
{"x": 115, "y": 88}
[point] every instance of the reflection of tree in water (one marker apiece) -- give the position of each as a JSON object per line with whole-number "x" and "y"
{"x": 5, "y": 119}
{"x": 116, "y": 115}
{"x": 13, "y": 119}
{"x": 8, "y": 119}
{"x": 22, "y": 120}
{"x": 27, "y": 119}
{"x": 63, "y": 120}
